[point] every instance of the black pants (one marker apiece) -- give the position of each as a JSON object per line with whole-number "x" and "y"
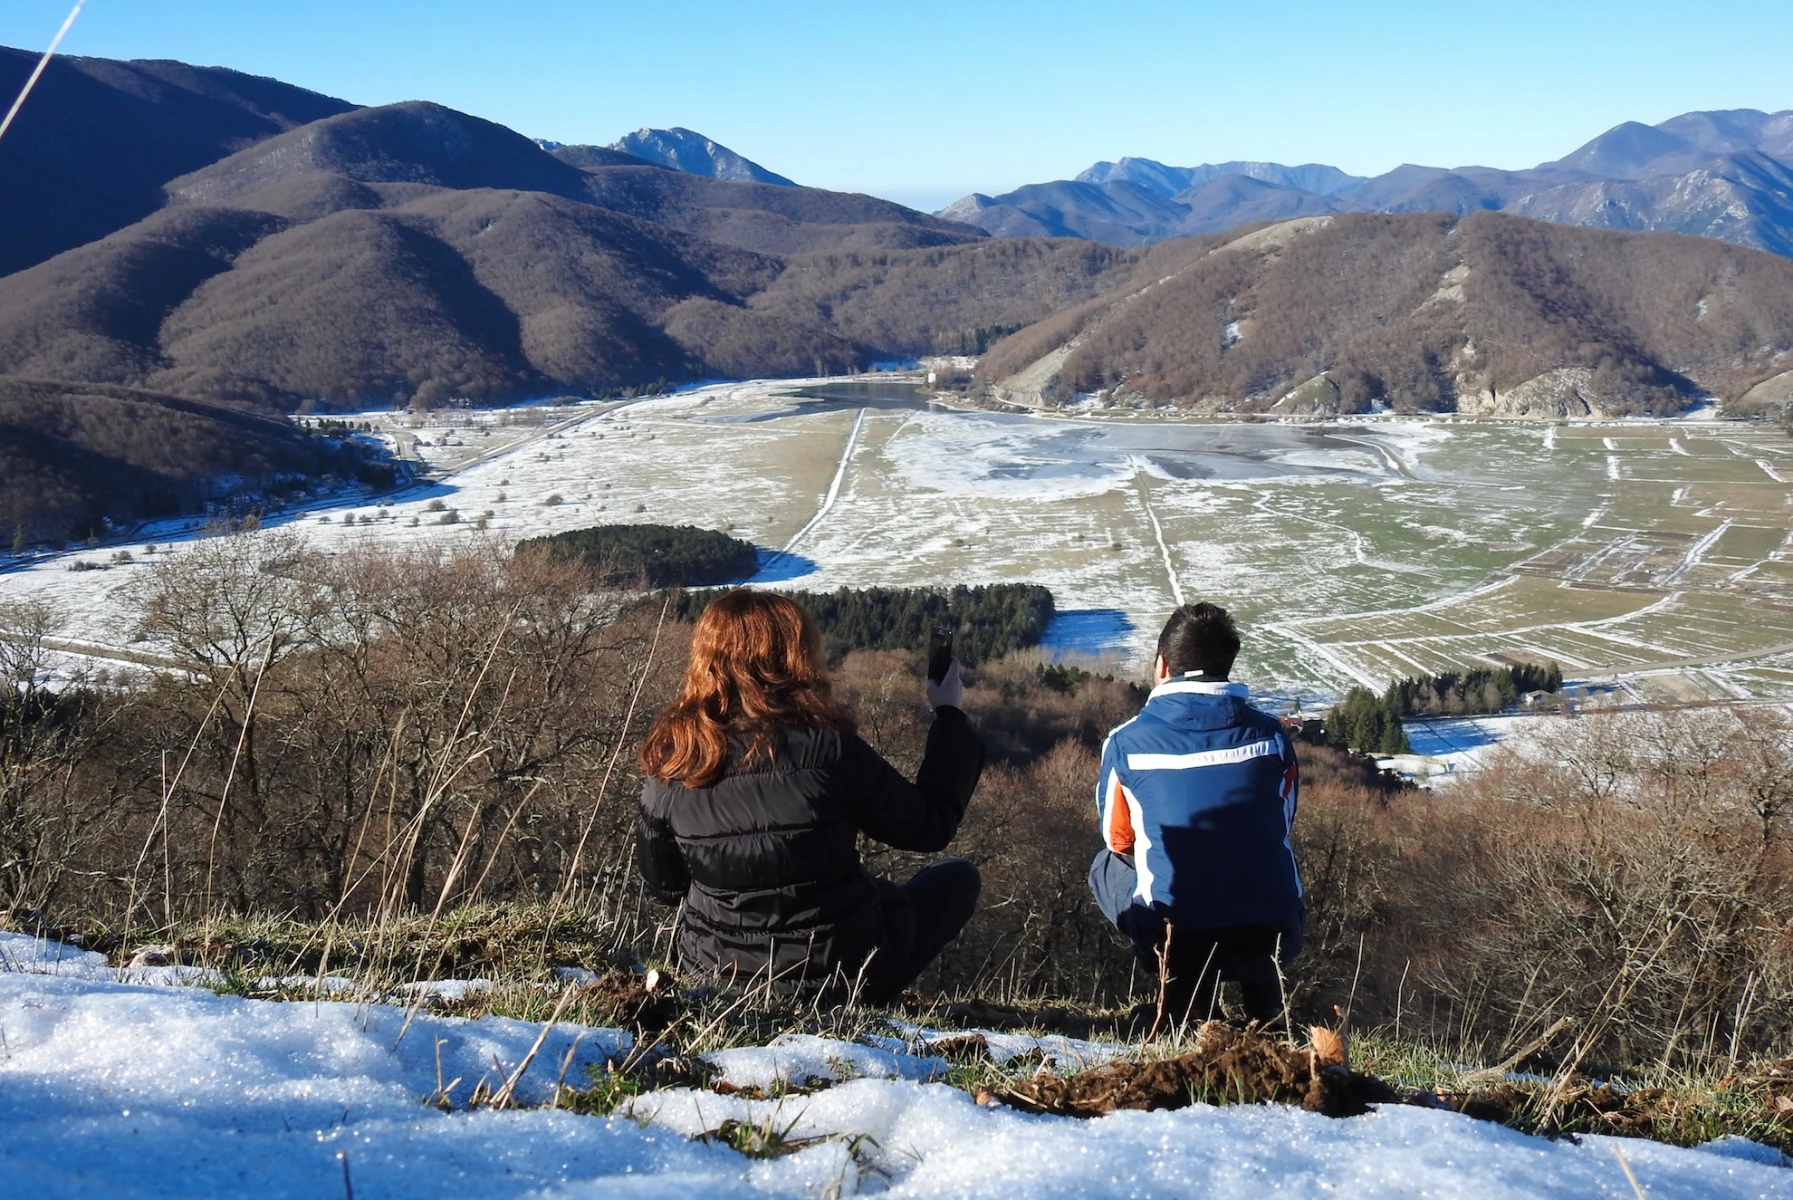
{"x": 921, "y": 917}
{"x": 1198, "y": 960}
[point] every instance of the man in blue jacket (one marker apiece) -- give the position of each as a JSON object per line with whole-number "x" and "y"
{"x": 1197, "y": 794}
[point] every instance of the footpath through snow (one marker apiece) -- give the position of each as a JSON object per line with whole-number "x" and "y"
{"x": 115, "y": 1086}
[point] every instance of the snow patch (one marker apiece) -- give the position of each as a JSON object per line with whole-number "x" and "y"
{"x": 113, "y": 1089}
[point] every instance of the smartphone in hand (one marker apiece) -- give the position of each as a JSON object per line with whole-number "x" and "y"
{"x": 940, "y": 652}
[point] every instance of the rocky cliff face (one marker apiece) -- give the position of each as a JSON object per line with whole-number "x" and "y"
{"x": 695, "y": 154}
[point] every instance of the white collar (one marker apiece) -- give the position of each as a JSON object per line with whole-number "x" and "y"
{"x": 1189, "y": 685}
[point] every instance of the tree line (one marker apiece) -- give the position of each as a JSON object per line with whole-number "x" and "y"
{"x": 988, "y": 622}
{"x": 1371, "y": 723}
{"x": 1479, "y": 690}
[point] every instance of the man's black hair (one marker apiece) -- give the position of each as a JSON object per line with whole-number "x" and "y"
{"x": 1202, "y": 638}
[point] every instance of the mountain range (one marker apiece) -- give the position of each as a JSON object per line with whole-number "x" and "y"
{"x": 360, "y": 257}
{"x": 192, "y": 251}
{"x": 1725, "y": 175}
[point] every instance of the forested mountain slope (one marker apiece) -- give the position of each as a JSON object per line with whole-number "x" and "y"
{"x": 72, "y": 455}
{"x": 377, "y": 157}
{"x": 360, "y": 258}
{"x": 91, "y": 150}
{"x": 370, "y": 256}
{"x": 1487, "y": 313}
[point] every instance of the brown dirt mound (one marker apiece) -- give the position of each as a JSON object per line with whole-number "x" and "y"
{"x": 962, "y": 1048}
{"x": 1227, "y": 1066}
{"x": 650, "y": 1002}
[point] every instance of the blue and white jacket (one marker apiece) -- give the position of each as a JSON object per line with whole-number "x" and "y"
{"x": 1200, "y": 788}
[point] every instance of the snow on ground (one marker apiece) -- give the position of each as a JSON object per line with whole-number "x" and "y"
{"x": 1381, "y": 530}
{"x": 1448, "y": 746}
{"x": 798, "y": 1057}
{"x": 111, "y": 1088}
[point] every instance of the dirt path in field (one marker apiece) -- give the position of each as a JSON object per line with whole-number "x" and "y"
{"x": 94, "y": 650}
{"x": 833, "y": 493}
{"x": 1170, "y": 567}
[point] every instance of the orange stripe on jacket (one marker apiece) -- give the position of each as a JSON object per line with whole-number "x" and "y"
{"x": 1120, "y": 823}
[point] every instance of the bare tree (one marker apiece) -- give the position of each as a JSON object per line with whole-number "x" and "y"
{"x": 41, "y": 740}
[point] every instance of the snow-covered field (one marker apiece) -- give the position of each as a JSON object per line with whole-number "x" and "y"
{"x": 130, "y": 1086}
{"x": 1651, "y": 557}
{"x": 1445, "y": 748}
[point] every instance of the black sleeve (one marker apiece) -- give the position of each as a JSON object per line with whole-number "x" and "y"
{"x": 922, "y": 816}
{"x": 657, "y": 852}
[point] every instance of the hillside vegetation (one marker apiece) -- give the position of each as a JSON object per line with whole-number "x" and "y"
{"x": 375, "y": 733}
{"x": 1425, "y": 312}
{"x": 364, "y": 256}
{"x": 73, "y": 456}
{"x": 657, "y": 555}
{"x": 91, "y": 151}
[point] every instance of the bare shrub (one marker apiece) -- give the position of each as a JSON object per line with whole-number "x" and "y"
{"x": 379, "y": 729}
{"x": 401, "y": 732}
{"x": 45, "y": 732}
{"x": 1619, "y": 871}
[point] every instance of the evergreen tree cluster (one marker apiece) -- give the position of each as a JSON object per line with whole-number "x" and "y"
{"x": 1372, "y": 723}
{"x": 663, "y": 555}
{"x": 1482, "y": 690}
{"x": 988, "y": 622}
{"x": 1367, "y": 722}
{"x": 978, "y": 340}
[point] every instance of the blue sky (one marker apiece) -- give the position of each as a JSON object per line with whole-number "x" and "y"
{"x": 924, "y": 102}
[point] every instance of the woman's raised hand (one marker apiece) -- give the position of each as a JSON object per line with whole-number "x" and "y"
{"x": 949, "y": 691}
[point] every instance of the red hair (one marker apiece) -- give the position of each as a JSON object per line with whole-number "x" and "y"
{"x": 756, "y": 667}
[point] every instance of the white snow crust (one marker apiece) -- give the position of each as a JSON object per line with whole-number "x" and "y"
{"x": 111, "y": 1088}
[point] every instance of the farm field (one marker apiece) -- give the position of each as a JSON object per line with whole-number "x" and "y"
{"x": 1650, "y": 557}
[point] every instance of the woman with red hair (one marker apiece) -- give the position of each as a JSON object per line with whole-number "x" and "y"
{"x": 757, "y": 791}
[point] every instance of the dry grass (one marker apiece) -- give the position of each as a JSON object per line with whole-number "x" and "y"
{"x": 388, "y": 770}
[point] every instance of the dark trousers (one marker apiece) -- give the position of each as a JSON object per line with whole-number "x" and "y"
{"x": 1198, "y": 960}
{"x": 920, "y": 918}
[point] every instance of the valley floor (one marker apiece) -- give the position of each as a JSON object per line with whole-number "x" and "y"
{"x": 1649, "y": 558}
{"x": 125, "y": 1083}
